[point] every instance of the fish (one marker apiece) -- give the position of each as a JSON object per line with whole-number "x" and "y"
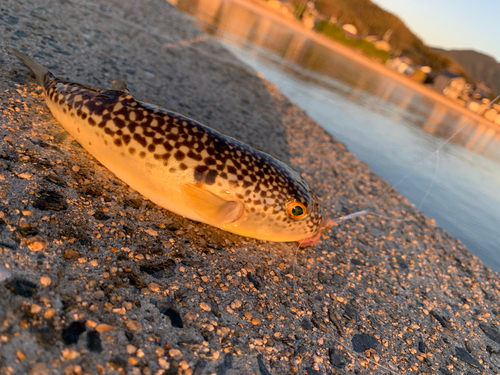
{"x": 183, "y": 165}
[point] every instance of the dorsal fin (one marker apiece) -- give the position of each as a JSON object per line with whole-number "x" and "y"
{"x": 119, "y": 85}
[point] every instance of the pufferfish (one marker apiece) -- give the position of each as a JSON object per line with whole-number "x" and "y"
{"x": 183, "y": 165}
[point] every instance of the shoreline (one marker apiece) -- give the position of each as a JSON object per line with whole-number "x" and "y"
{"x": 256, "y": 6}
{"x": 96, "y": 279}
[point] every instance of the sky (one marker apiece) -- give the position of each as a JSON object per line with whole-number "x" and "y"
{"x": 451, "y": 24}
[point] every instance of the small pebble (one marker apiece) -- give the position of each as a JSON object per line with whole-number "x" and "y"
{"x": 134, "y": 326}
{"x": 175, "y": 353}
{"x": 45, "y": 281}
{"x": 4, "y": 274}
{"x": 35, "y": 309}
{"x": 71, "y": 254}
{"x": 68, "y": 354}
{"x": 103, "y": 327}
{"x": 154, "y": 287}
{"x": 36, "y": 243}
{"x": 39, "y": 368}
{"x": 49, "y": 313}
{"x": 205, "y": 307}
{"x": 255, "y": 322}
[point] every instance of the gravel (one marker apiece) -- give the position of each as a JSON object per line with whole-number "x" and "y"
{"x": 95, "y": 279}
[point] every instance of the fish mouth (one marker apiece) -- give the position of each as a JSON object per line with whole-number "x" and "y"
{"x": 311, "y": 241}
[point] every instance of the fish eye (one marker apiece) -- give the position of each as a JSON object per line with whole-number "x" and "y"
{"x": 296, "y": 210}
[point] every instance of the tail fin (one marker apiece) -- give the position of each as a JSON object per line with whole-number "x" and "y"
{"x": 38, "y": 70}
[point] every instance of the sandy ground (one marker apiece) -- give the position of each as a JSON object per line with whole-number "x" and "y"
{"x": 94, "y": 279}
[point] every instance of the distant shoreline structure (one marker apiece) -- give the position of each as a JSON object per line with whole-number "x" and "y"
{"x": 261, "y": 8}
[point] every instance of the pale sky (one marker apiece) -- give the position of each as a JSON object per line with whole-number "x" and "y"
{"x": 451, "y": 24}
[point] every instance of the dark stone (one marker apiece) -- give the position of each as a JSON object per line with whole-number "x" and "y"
{"x": 192, "y": 263}
{"x": 129, "y": 335}
{"x": 356, "y": 262}
{"x": 99, "y": 215}
{"x": 94, "y": 343}
{"x": 71, "y": 333}
{"x": 27, "y": 232}
{"x": 422, "y": 348}
{"x": 46, "y": 336}
{"x": 466, "y": 357}
{"x": 161, "y": 270}
{"x": 335, "y": 322}
{"x": 20, "y": 34}
{"x": 306, "y": 324}
{"x": 338, "y": 280}
{"x": 92, "y": 191}
{"x": 50, "y": 200}
{"x": 364, "y": 341}
{"x": 200, "y": 366}
{"x": 492, "y": 333}
{"x": 337, "y": 358}
{"x": 227, "y": 364}
{"x": 173, "y": 227}
{"x": 11, "y": 20}
{"x": 255, "y": 280}
{"x": 128, "y": 231}
{"x": 402, "y": 264}
{"x": 134, "y": 203}
{"x": 172, "y": 313}
{"x": 311, "y": 371}
{"x": 440, "y": 319}
{"x": 117, "y": 362}
{"x": 262, "y": 367}
{"x": 19, "y": 78}
{"x": 322, "y": 278}
{"x": 136, "y": 281}
{"x": 21, "y": 287}
{"x": 351, "y": 313}
{"x": 444, "y": 371}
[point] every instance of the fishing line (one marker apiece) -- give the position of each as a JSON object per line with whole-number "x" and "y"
{"x": 418, "y": 165}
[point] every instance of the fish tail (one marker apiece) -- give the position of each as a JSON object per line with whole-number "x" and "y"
{"x": 38, "y": 70}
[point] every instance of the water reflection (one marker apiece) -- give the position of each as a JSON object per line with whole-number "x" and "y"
{"x": 248, "y": 28}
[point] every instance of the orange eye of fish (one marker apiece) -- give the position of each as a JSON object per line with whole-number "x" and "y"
{"x": 296, "y": 210}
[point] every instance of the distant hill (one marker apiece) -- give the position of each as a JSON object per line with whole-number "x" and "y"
{"x": 370, "y": 19}
{"x": 481, "y": 67}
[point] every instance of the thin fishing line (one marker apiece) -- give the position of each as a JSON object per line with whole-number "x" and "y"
{"x": 432, "y": 181}
{"x": 393, "y": 187}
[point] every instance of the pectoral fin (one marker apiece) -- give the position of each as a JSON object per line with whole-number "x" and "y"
{"x": 211, "y": 207}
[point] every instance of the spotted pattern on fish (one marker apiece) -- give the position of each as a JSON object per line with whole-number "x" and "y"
{"x": 178, "y": 149}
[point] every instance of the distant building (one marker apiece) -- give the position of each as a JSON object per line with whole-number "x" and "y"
{"x": 481, "y": 91}
{"x": 401, "y": 65}
{"x": 449, "y": 84}
{"x": 379, "y": 44}
{"x": 350, "y": 30}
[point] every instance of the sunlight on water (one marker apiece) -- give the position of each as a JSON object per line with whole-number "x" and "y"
{"x": 386, "y": 124}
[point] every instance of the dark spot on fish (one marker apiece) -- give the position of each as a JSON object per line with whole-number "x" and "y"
{"x": 131, "y": 150}
{"x": 142, "y": 154}
{"x": 126, "y": 138}
{"x": 118, "y": 142}
{"x": 141, "y": 140}
{"x": 211, "y": 176}
{"x": 151, "y": 148}
{"x": 179, "y": 155}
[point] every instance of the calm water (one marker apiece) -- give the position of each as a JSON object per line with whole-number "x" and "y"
{"x": 386, "y": 124}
